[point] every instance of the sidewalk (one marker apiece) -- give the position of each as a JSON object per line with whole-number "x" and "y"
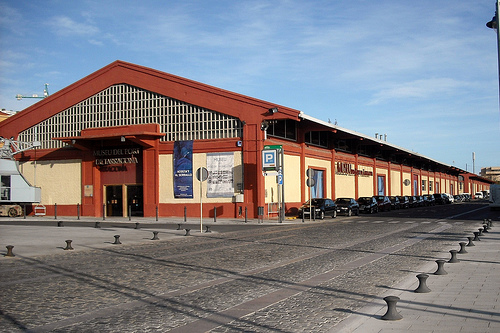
{"x": 467, "y": 299}
{"x": 32, "y": 238}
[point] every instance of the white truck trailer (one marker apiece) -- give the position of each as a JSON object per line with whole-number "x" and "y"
{"x": 494, "y": 196}
{"x": 15, "y": 190}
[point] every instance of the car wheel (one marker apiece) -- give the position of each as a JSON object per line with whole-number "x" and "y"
{"x": 334, "y": 214}
{"x": 321, "y": 215}
{"x": 12, "y": 212}
{"x": 349, "y": 212}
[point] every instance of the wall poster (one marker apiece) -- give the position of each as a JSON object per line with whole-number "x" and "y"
{"x": 183, "y": 169}
{"x": 220, "y": 175}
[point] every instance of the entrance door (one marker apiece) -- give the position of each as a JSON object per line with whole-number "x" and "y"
{"x": 114, "y": 200}
{"x": 134, "y": 200}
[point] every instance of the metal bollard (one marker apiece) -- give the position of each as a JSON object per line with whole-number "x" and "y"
{"x": 453, "y": 257}
{"x": 246, "y": 215}
{"x": 471, "y": 243}
{"x": 215, "y": 214}
{"x": 117, "y": 239}
{"x": 462, "y": 248}
{"x": 60, "y": 224}
{"x": 78, "y": 210}
{"x": 392, "y": 313}
{"x": 440, "y": 270}
{"x": 68, "y": 245}
{"x": 137, "y": 225}
{"x": 97, "y": 225}
{"x": 422, "y": 284}
{"x": 208, "y": 228}
{"x": 185, "y": 214}
{"x": 156, "y": 213}
{"x": 476, "y": 236}
{"x": 155, "y": 235}
{"x": 103, "y": 212}
{"x": 179, "y": 226}
{"x": 187, "y": 232}
{"x": 55, "y": 211}
{"x": 9, "y": 251}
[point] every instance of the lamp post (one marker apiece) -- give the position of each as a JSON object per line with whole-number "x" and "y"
{"x": 495, "y": 24}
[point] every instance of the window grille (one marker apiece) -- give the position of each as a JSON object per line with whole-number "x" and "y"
{"x": 123, "y": 105}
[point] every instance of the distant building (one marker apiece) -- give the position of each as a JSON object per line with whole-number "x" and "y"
{"x": 491, "y": 173}
{"x": 4, "y": 114}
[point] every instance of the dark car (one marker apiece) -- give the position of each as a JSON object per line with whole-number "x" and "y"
{"x": 420, "y": 201}
{"x": 413, "y": 201}
{"x": 440, "y": 198}
{"x": 368, "y": 205}
{"x": 320, "y": 208}
{"x": 384, "y": 204}
{"x": 429, "y": 200}
{"x": 347, "y": 206}
{"x": 404, "y": 202}
{"x": 395, "y": 202}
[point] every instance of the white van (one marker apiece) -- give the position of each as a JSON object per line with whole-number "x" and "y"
{"x": 478, "y": 195}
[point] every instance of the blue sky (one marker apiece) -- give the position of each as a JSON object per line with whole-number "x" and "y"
{"x": 423, "y": 72}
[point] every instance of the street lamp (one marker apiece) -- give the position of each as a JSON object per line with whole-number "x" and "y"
{"x": 495, "y": 24}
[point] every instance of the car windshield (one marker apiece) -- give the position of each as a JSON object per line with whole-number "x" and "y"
{"x": 316, "y": 202}
{"x": 365, "y": 200}
{"x": 380, "y": 198}
{"x": 342, "y": 201}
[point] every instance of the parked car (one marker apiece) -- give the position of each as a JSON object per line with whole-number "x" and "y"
{"x": 395, "y": 204}
{"x": 429, "y": 200}
{"x": 413, "y": 201}
{"x": 321, "y": 207}
{"x": 420, "y": 201}
{"x": 404, "y": 202}
{"x": 347, "y": 206}
{"x": 450, "y": 198}
{"x": 368, "y": 205}
{"x": 384, "y": 203}
{"x": 441, "y": 199}
{"x": 478, "y": 195}
{"x": 458, "y": 198}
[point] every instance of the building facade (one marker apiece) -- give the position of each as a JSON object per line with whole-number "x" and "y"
{"x": 129, "y": 140}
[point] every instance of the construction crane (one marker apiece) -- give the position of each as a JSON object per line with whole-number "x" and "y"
{"x": 45, "y": 94}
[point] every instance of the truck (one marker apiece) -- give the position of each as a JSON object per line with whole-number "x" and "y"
{"x": 494, "y": 196}
{"x": 15, "y": 190}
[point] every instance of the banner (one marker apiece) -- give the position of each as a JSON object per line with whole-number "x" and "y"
{"x": 183, "y": 169}
{"x": 220, "y": 175}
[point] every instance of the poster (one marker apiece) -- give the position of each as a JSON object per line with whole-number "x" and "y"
{"x": 183, "y": 169}
{"x": 220, "y": 175}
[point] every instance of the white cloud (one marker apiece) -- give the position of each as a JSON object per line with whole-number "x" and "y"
{"x": 65, "y": 26}
{"x": 418, "y": 89}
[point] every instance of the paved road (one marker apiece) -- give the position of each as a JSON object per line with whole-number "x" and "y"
{"x": 291, "y": 277}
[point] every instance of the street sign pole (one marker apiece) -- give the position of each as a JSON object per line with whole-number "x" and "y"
{"x": 201, "y": 175}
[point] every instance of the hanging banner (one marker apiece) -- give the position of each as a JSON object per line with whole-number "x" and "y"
{"x": 183, "y": 169}
{"x": 220, "y": 175}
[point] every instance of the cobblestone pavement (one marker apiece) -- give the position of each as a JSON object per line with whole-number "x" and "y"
{"x": 302, "y": 277}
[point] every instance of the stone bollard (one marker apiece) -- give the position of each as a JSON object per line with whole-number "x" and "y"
{"x": 490, "y": 223}
{"x": 392, "y": 313}
{"x": 422, "y": 284}
{"x": 476, "y": 236}
{"x": 97, "y": 225}
{"x": 9, "y": 251}
{"x": 208, "y": 228}
{"x": 471, "y": 243}
{"x": 480, "y": 231}
{"x": 155, "y": 235}
{"x": 68, "y": 245}
{"x": 453, "y": 257}
{"x": 440, "y": 270}
{"x": 187, "y": 232}
{"x": 60, "y": 224}
{"x": 117, "y": 239}
{"x": 462, "y": 248}
{"x": 137, "y": 225}
{"x": 179, "y": 226}
{"x": 485, "y": 228}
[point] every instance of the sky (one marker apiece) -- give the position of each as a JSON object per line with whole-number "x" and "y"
{"x": 424, "y": 73}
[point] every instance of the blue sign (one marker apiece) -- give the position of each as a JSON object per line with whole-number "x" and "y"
{"x": 279, "y": 179}
{"x": 183, "y": 169}
{"x": 269, "y": 160}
